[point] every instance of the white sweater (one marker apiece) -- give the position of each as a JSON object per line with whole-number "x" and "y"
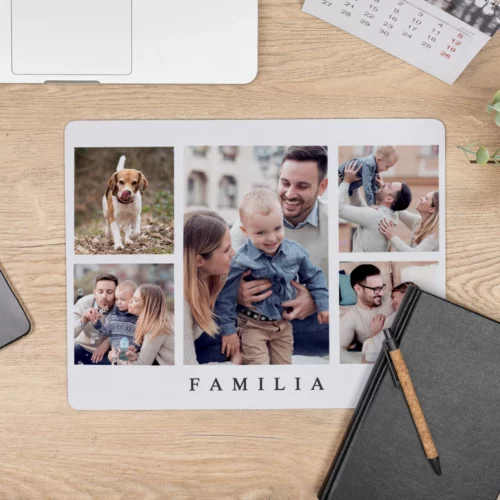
{"x": 161, "y": 349}
{"x": 83, "y": 332}
{"x": 412, "y": 222}
{"x": 356, "y": 324}
{"x": 367, "y": 237}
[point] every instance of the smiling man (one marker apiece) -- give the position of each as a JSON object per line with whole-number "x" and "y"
{"x": 356, "y": 325}
{"x": 303, "y": 179}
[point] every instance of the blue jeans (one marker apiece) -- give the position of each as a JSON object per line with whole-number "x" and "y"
{"x": 310, "y": 338}
{"x": 84, "y": 357}
{"x": 208, "y": 349}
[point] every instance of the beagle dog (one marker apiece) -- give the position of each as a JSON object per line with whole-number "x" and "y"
{"x": 122, "y": 204}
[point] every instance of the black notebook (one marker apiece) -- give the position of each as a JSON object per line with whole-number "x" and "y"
{"x": 453, "y": 356}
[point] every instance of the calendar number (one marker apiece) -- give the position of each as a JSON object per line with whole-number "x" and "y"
{"x": 346, "y": 13}
{"x": 383, "y": 32}
{"x": 365, "y": 22}
{"x": 328, "y": 4}
{"x": 445, "y": 54}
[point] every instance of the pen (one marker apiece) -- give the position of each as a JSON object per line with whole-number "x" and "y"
{"x": 392, "y": 348}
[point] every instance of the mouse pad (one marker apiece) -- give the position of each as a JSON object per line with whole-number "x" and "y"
{"x": 56, "y": 37}
{"x": 137, "y": 194}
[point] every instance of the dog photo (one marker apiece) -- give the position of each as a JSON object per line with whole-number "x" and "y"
{"x": 124, "y": 201}
{"x": 123, "y": 314}
{"x": 256, "y": 255}
{"x": 389, "y": 199}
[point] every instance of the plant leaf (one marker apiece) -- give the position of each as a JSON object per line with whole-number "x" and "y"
{"x": 496, "y": 106}
{"x": 482, "y": 156}
{"x": 489, "y": 108}
{"x": 497, "y": 119}
{"x": 495, "y": 153}
{"x": 496, "y": 97}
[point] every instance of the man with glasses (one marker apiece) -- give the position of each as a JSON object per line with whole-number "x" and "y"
{"x": 356, "y": 325}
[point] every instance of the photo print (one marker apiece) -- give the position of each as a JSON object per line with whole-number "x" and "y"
{"x": 124, "y": 201}
{"x": 389, "y": 199}
{"x": 370, "y": 294}
{"x": 123, "y": 314}
{"x": 258, "y": 218}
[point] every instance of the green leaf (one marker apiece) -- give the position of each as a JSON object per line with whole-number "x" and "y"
{"x": 496, "y": 106}
{"x": 489, "y": 108}
{"x": 497, "y": 119}
{"x": 496, "y": 97}
{"x": 482, "y": 156}
{"x": 495, "y": 153}
{"x": 497, "y": 162}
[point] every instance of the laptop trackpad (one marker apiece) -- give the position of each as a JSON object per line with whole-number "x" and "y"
{"x": 72, "y": 37}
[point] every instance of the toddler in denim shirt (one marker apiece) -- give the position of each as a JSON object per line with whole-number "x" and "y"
{"x": 267, "y": 338}
{"x": 384, "y": 158}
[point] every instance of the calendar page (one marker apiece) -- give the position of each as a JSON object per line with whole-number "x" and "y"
{"x": 440, "y": 37}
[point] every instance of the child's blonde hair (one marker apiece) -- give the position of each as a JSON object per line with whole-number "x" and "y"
{"x": 260, "y": 200}
{"x": 386, "y": 152}
{"x": 127, "y": 285}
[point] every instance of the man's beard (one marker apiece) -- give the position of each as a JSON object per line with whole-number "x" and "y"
{"x": 371, "y": 301}
{"x": 301, "y": 208}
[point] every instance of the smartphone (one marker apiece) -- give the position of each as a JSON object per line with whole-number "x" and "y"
{"x": 14, "y": 322}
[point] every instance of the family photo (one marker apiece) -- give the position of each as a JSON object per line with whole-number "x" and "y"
{"x": 369, "y": 297}
{"x": 256, "y": 255}
{"x": 388, "y": 198}
{"x": 124, "y": 201}
{"x": 484, "y": 15}
{"x": 123, "y": 314}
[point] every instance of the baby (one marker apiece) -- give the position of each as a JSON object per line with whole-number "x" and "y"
{"x": 267, "y": 338}
{"x": 384, "y": 158}
{"x": 119, "y": 322}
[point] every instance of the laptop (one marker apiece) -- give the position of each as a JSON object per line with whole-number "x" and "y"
{"x": 128, "y": 41}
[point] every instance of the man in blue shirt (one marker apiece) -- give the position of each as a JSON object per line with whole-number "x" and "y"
{"x": 266, "y": 337}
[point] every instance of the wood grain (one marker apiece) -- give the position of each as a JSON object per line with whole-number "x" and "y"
{"x": 308, "y": 69}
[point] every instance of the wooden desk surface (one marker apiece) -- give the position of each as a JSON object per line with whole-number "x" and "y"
{"x": 308, "y": 69}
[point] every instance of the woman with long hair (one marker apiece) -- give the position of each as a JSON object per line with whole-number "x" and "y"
{"x": 207, "y": 259}
{"x": 154, "y": 328}
{"x": 424, "y": 226}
